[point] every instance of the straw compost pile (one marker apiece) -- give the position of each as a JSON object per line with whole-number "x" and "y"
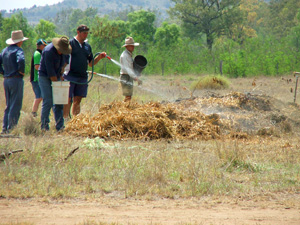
{"x": 120, "y": 120}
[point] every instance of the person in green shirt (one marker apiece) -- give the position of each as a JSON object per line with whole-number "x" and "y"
{"x": 34, "y": 75}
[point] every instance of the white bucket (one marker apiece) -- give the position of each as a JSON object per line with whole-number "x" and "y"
{"x": 60, "y": 92}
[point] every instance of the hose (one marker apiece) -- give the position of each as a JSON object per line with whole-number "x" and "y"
{"x": 98, "y": 53}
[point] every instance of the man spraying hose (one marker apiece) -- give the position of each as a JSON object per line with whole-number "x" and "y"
{"x": 76, "y": 70}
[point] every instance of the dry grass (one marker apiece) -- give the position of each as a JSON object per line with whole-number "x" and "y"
{"x": 215, "y": 82}
{"x": 239, "y": 167}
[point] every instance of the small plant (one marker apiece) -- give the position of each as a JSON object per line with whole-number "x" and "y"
{"x": 95, "y": 143}
{"x": 210, "y": 82}
{"x": 30, "y": 125}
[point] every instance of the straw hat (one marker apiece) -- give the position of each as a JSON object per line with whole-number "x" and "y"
{"x": 62, "y": 44}
{"x": 16, "y": 37}
{"x": 130, "y": 41}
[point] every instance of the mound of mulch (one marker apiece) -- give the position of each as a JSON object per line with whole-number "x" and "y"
{"x": 237, "y": 100}
{"x": 120, "y": 120}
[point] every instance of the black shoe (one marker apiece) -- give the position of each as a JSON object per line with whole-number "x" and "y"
{"x": 5, "y": 132}
{"x": 34, "y": 114}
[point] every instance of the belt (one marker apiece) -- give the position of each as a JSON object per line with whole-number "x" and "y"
{"x": 16, "y": 76}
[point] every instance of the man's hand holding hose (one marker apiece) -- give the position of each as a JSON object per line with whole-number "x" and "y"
{"x": 98, "y": 58}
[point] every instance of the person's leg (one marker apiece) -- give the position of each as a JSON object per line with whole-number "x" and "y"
{"x": 38, "y": 97}
{"x": 6, "y": 111}
{"x": 76, "y": 105}
{"x": 66, "y": 109}
{"x": 58, "y": 115}
{"x": 80, "y": 91}
{"x": 46, "y": 90}
{"x": 127, "y": 86}
{"x": 35, "y": 106}
{"x": 16, "y": 86}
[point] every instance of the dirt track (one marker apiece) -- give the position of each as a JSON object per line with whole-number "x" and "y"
{"x": 164, "y": 211}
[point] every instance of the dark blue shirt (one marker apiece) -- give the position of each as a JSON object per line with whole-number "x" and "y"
{"x": 51, "y": 62}
{"x": 80, "y": 58}
{"x": 13, "y": 60}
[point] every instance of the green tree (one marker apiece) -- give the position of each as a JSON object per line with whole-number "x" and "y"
{"x": 108, "y": 33}
{"x": 211, "y": 17}
{"x": 45, "y": 29}
{"x": 61, "y": 21}
{"x": 249, "y": 20}
{"x": 282, "y": 17}
{"x": 18, "y": 22}
{"x": 294, "y": 38}
{"x": 141, "y": 25}
{"x": 1, "y": 20}
{"x": 68, "y": 20}
{"x": 167, "y": 35}
{"x": 108, "y": 36}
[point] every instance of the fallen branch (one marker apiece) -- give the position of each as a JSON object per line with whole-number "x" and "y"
{"x": 4, "y": 155}
{"x": 8, "y": 136}
{"x": 71, "y": 153}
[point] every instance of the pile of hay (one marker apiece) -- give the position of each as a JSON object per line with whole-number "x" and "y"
{"x": 120, "y": 120}
{"x": 233, "y": 100}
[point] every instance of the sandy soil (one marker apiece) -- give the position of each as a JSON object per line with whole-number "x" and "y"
{"x": 163, "y": 211}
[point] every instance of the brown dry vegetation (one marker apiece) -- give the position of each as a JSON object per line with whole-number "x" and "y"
{"x": 172, "y": 156}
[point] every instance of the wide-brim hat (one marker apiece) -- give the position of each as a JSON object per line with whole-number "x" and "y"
{"x": 16, "y": 37}
{"x": 130, "y": 41}
{"x": 62, "y": 44}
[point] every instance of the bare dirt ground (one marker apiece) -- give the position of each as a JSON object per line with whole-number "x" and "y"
{"x": 273, "y": 99}
{"x": 163, "y": 211}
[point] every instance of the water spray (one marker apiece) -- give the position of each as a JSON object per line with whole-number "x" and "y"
{"x": 128, "y": 83}
{"x": 114, "y": 61}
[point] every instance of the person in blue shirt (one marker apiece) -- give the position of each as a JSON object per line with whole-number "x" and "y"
{"x": 51, "y": 69}
{"x": 12, "y": 66}
{"x": 76, "y": 70}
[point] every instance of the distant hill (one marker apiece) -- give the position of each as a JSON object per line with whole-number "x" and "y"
{"x": 48, "y": 12}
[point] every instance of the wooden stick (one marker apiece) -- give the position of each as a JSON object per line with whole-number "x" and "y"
{"x": 4, "y": 155}
{"x": 296, "y": 89}
{"x": 71, "y": 153}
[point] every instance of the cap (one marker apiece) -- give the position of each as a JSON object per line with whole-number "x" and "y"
{"x": 41, "y": 42}
{"x": 83, "y": 28}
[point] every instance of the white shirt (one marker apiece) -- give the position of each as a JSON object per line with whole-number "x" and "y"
{"x": 127, "y": 64}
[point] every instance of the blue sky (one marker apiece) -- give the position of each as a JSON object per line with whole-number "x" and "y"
{"x": 14, "y": 4}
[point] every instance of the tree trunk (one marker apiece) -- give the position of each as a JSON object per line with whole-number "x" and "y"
{"x": 209, "y": 40}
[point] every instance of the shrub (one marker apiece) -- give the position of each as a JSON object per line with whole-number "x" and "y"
{"x": 211, "y": 82}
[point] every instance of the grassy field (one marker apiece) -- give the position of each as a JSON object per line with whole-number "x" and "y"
{"x": 258, "y": 168}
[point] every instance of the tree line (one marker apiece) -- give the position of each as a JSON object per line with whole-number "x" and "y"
{"x": 237, "y": 38}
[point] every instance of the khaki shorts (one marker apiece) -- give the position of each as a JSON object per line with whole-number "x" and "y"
{"x": 127, "y": 85}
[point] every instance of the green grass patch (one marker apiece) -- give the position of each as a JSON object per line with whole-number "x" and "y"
{"x": 215, "y": 82}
